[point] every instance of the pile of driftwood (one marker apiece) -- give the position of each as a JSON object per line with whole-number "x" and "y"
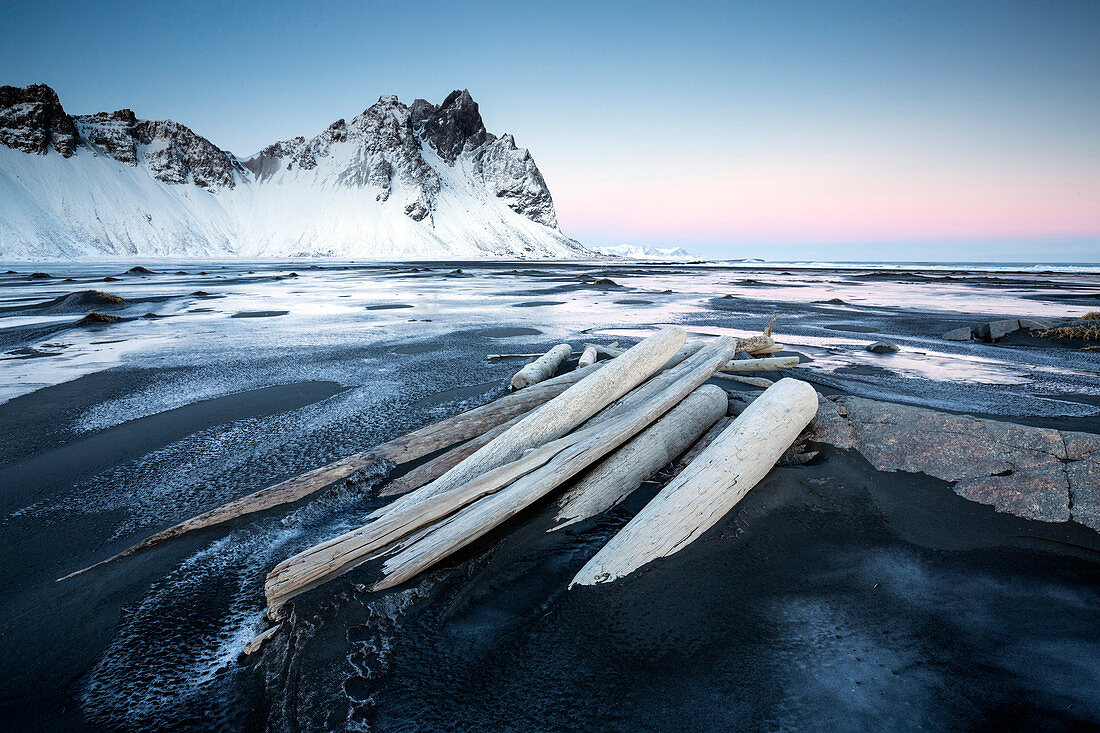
{"x": 617, "y": 424}
{"x": 599, "y": 431}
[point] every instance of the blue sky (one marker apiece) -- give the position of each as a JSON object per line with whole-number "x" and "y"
{"x": 960, "y": 130}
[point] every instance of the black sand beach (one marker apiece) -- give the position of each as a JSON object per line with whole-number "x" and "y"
{"x": 835, "y": 596}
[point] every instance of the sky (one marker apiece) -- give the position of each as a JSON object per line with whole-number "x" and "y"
{"x": 785, "y": 130}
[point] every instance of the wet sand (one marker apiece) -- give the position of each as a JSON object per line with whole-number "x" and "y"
{"x": 835, "y": 596}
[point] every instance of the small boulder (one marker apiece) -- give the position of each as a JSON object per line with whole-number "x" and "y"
{"x": 1000, "y": 329}
{"x": 40, "y": 276}
{"x": 959, "y": 334}
{"x": 882, "y": 347}
{"x": 139, "y": 270}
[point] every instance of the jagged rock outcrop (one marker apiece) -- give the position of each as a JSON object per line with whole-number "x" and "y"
{"x": 111, "y": 133}
{"x": 452, "y": 128}
{"x": 351, "y": 190}
{"x": 455, "y": 128}
{"x": 511, "y": 174}
{"x": 172, "y": 152}
{"x": 32, "y": 120}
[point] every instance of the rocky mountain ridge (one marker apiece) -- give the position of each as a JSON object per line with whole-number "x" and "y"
{"x": 434, "y": 166}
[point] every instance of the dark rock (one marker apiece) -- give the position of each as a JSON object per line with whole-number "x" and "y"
{"x": 110, "y": 279}
{"x": 139, "y": 270}
{"x": 40, "y": 275}
{"x": 1000, "y": 329}
{"x": 111, "y": 133}
{"x": 451, "y": 128}
{"x": 32, "y": 120}
{"x": 959, "y": 334}
{"x": 606, "y": 282}
{"x": 882, "y": 347}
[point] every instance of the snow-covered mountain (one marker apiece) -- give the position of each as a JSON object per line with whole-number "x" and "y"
{"x": 643, "y": 252}
{"x": 395, "y": 182}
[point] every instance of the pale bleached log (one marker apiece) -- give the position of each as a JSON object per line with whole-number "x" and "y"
{"x": 433, "y": 469}
{"x": 618, "y": 475}
{"x": 588, "y": 356}
{"x": 684, "y": 360}
{"x": 753, "y": 381}
{"x": 557, "y": 417}
{"x": 321, "y": 563}
{"x": 710, "y": 486}
{"x": 740, "y": 366}
{"x": 484, "y": 515}
{"x": 699, "y": 446}
{"x": 541, "y": 368}
{"x": 405, "y": 448}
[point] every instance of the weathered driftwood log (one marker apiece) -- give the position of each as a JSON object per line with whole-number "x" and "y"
{"x": 321, "y": 563}
{"x": 588, "y": 356}
{"x": 710, "y": 486}
{"x": 754, "y": 381}
{"x": 739, "y": 366}
{"x": 482, "y": 516}
{"x": 758, "y": 344}
{"x": 674, "y": 368}
{"x": 618, "y": 475}
{"x": 439, "y": 465}
{"x": 698, "y": 447}
{"x": 330, "y": 559}
{"x": 541, "y": 368}
{"x": 408, "y": 447}
{"x": 572, "y": 407}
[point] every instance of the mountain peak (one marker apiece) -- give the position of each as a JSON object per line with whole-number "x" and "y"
{"x": 33, "y": 120}
{"x": 454, "y": 126}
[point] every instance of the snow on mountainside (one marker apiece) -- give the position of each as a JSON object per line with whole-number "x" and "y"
{"x": 643, "y": 252}
{"x": 395, "y": 182}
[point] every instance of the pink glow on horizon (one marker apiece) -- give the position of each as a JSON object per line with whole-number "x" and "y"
{"x": 804, "y": 209}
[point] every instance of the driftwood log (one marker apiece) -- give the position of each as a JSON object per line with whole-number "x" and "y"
{"x": 541, "y": 368}
{"x": 753, "y": 381}
{"x": 618, "y": 475}
{"x": 771, "y": 364}
{"x": 588, "y": 356}
{"x": 710, "y": 486}
{"x": 594, "y": 443}
{"x": 609, "y": 382}
{"x": 532, "y": 475}
{"x": 433, "y": 469}
{"x": 409, "y": 447}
